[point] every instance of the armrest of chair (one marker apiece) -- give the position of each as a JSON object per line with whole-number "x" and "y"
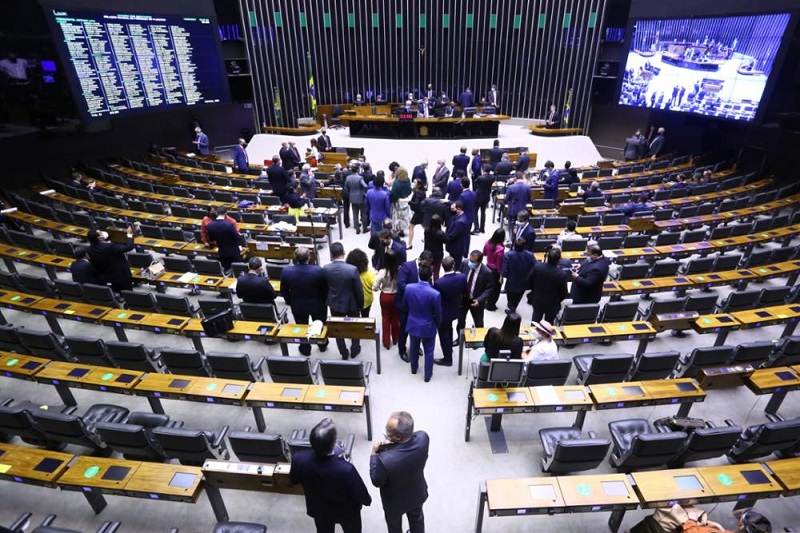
{"x": 221, "y": 434}
{"x": 367, "y": 369}
{"x": 774, "y": 417}
{"x": 257, "y": 367}
{"x": 68, "y": 409}
{"x": 298, "y": 434}
{"x": 348, "y": 442}
{"x": 730, "y": 423}
{"x": 48, "y": 520}
{"x": 281, "y": 314}
{"x": 592, "y": 435}
{"x": 6, "y": 402}
{"x": 108, "y": 527}
{"x": 315, "y": 368}
{"x": 21, "y": 523}
{"x": 474, "y": 369}
{"x": 177, "y": 424}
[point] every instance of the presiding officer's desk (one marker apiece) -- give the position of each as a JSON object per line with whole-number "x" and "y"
{"x": 421, "y": 127}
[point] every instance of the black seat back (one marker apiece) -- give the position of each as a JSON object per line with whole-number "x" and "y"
{"x": 707, "y": 443}
{"x": 707, "y": 356}
{"x": 290, "y": 370}
{"x": 608, "y": 368}
{"x": 185, "y": 362}
{"x": 258, "y": 447}
{"x": 232, "y": 366}
{"x": 622, "y": 311}
{"x": 764, "y": 439}
{"x": 343, "y": 373}
{"x": 43, "y": 344}
{"x": 189, "y": 446}
{"x": 541, "y": 373}
{"x": 88, "y": 350}
{"x": 579, "y": 314}
{"x": 655, "y": 365}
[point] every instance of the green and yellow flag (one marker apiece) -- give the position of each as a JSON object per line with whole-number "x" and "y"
{"x": 312, "y": 89}
{"x": 276, "y": 105}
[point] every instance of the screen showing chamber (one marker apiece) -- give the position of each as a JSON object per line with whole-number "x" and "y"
{"x": 711, "y": 66}
{"x": 123, "y": 62}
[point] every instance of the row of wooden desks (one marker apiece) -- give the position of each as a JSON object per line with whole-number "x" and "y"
{"x": 775, "y": 381}
{"x": 156, "y": 387}
{"x": 727, "y": 216}
{"x": 618, "y": 493}
{"x": 497, "y": 401}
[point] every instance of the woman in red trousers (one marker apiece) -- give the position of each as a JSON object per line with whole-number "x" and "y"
{"x": 386, "y": 283}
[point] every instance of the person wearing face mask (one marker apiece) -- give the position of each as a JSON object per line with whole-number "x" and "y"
{"x": 587, "y": 282}
{"x": 523, "y": 230}
{"x": 480, "y": 287}
{"x": 548, "y": 285}
{"x": 545, "y": 348}
{"x": 240, "y": 161}
{"x": 109, "y": 259}
{"x": 458, "y": 234}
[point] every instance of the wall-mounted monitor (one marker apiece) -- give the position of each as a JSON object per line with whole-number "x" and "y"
{"x": 710, "y": 66}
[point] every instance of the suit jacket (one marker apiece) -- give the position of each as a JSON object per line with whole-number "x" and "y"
{"x": 458, "y": 236}
{"x": 397, "y": 246}
{"x": 526, "y": 232}
{"x": 423, "y": 305}
{"x": 476, "y": 166}
{"x": 592, "y": 193}
{"x": 483, "y": 189}
{"x": 587, "y": 288}
{"x": 440, "y": 178}
{"x": 305, "y": 290}
{"x": 224, "y": 234}
{"x": 419, "y": 174}
{"x": 355, "y": 188}
{"x": 554, "y": 120}
{"x": 407, "y": 274}
{"x": 452, "y": 287}
{"x": 278, "y": 178}
{"x": 632, "y": 148}
{"x": 240, "y": 160}
{"x": 333, "y": 489}
{"x": 495, "y": 155}
{"x": 324, "y": 143}
{"x": 467, "y": 99}
{"x": 202, "y": 143}
{"x": 380, "y": 208}
{"x": 84, "y": 272}
{"x": 434, "y": 206}
{"x": 657, "y": 145}
{"x": 460, "y": 163}
{"x": 255, "y": 289}
{"x": 523, "y": 162}
{"x": 399, "y": 471}
{"x": 454, "y": 189}
{"x": 345, "y": 292}
{"x": 434, "y": 242}
{"x": 110, "y": 262}
{"x": 484, "y": 285}
{"x": 518, "y": 196}
{"x": 287, "y": 158}
{"x": 517, "y": 267}
{"x": 504, "y": 168}
{"x": 551, "y": 185}
{"x": 469, "y": 199}
{"x": 548, "y": 286}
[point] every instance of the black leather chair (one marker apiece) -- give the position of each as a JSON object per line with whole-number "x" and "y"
{"x": 657, "y": 307}
{"x": 239, "y": 527}
{"x": 291, "y": 370}
{"x": 43, "y": 344}
{"x": 755, "y": 353}
{"x": 210, "y": 267}
{"x": 299, "y": 441}
{"x": 773, "y": 296}
{"x": 727, "y": 262}
{"x": 69, "y": 290}
{"x": 707, "y": 356}
{"x": 99, "y": 295}
{"x": 89, "y": 351}
{"x": 134, "y": 439}
{"x": 10, "y": 281}
{"x": 16, "y": 419}
{"x": 192, "y": 446}
{"x": 37, "y": 285}
{"x": 261, "y": 312}
{"x": 134, "y": 356}
{"x": 703, "y": 304}
{"x": 79, "y": 430}
{"x": 568, "y": 450}
{"x": 637, "y": 445}
{"x": 235, "y": 366}
{"x": 579, "y": 314}
{"x": 622, "y": 311}
{"x": 706, "y": 443}
{"x": 779, "y": 437}
{"x": 787, "y": 352}
{"x": 634, "y": 271}
{"x": 345, "y": 373}
{"x": 602, "y": 368}
{"x": 664, "y": 268}
{"x": 210, "y": 307}
{"x": 9, "y": 340}
{"x": 540, "y": 373}
{"x": 655, "y": 365}
{"x": 177, "y": 264}
{"x": 175, "y": 305}
{"x": 257, "y": 447}
{"x": 139, "y": 301}
{"x": 699, "y": 266}
{"x": 739, "y": 301}
{"x": 185, "y": 362}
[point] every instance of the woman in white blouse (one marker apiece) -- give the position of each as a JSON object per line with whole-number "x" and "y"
{"x": 545, "y": 348}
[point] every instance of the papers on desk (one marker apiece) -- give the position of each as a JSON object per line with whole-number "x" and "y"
{"x": 191, "y": 154}
{"x": 9, "y": 210}
{"x": 187, "y": 277}
{"x": 547, "y": 394}
{"x": 314, "y": 328}
{"x": 262, "y": 246}
{"x": 283, "y": 226}
{"x": 48, "y": 192}
{"x": 228, "y": 170}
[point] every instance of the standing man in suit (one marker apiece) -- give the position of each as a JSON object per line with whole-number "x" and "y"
{"x": 495, "y": 154}
{"x": 483, "y": 193}
{"x": 388, "y": 241}
{"x": 200, "y": 141}
{"x": 226, "y": 237}
{"x": 407, "y": 274}
{"x": 345, "y": 294}
{"x": 423, "y": 306}
{"x": 333, "y": 489}
{"x": 324, "y": 141}
{"x": 454, "y": 189}
{"x": 587, "y": 282}
{"x": 109, "y": 259}
{"x": 518, "y": 196}
{"x": 467, "y": 98}
{"x": 429, "y": 93}
{"x": 287, "y": 156}
{"x": 379, "y": 206}
{"x": 524, "y": 160}
{"x": 305, "y": 290}
{"x": 356, "y": 188}
{"x": 523, "y": 230}
{"x": 452, "y": 286}
{"x": 460, "y": 163}
{"x": 468, "y": 200}
{"x": 548, "y": 285}
{"x": 517, "y": 265}
{"x": 458, "y": 233}
{"x": 633, "y": 147}
{"x": 420, "y": 175}
{"x": 434, "y": 205}
{"x": 82, "y": 270}
{"x": 504, "y": 167}
{"x": 253, "y": 286}
{"x": 553, "y": 118}
{"x": 296, "y": 159}
{"x": 278, "y": 178}
{"x": 492, "y": 98}
{"x": 480, "y": 286}
{"x": 397, "y": 467}
{"x": 549, "y": 179}
{"x": 440, "y": 176}
{"x": 476, "y": 166}
{"x": 240, "y": 160}
{"x": 657, "y": 144}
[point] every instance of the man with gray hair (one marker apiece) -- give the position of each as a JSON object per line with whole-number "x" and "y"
{"x": 397, "y": 466}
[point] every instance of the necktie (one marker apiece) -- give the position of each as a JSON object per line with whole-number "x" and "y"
{"x": 469, "y": 282}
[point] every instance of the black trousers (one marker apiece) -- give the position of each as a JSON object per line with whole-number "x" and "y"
{"x": 446, "y": 340}
{"x": 355, "y": 345}
{"x": 416, "y": 521}
{"x": 496, "y": 290}
{"x": 480, "y": 218}
{"x": 301, "y": 317}
{"x": 401, "y": 343}
{"x": 360, "y": 219}
{"x": 477, "y": 316}
{"x": 547, "y": 314}
{"x": 352, "y": 525}
{"x": 346, "y": 211}
{"x": 513, "y": 300}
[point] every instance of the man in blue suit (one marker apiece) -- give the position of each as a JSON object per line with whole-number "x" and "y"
{"x": 518, "y": 196}
{"x": 452, "y": 286}
{"x": 587, "y": 282}
{"x": 305, "y": 290}
{"x": 378, "y": 205}
{"x": 523, "y": 230}
{"x": 495, "y": 154}
{"x": 226, "y": 237}
{"x": 240, "y": 160}
{"x": 468, "y": 200}
{"x": 423, "y": 305}
{"x": 458, "y": 233}
{"x": 419, "y": 174}
{"x": 476, "y": 166}
{"x": 550, "y": 178}
{"x": 454, "y": 189}
{"x": 200, "y": 141}
{"x": 467, "y": 98}
{"x": 388, "y": 241}
{"x": 524, "y": 160}
{"x": 460, "y": 163}
{"x": 517, "y": 265}
{"x": 407, "y": 274}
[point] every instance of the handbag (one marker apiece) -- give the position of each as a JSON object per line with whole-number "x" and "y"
{"x": 681, "y": 423}
{"x": 218, "y": 324}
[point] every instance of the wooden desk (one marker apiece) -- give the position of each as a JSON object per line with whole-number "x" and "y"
{"x": 473, "y": 338}
{"x": 17, "y": 300}
{"x": 543, "y": 131}
{"x": 21, "y": 366}
{"x": 721, "y": 324}
{"x": 32, "y": 466}
{"x": 664, "y": 488}
{"x": 787, "y": 472}
{"x": 502, "y": 400}
{"x": 520, "y": 496}
{"x": 95, "y": 476}
{"x": 619, "y": 395}
{"x": 742, "y": 483}
{"x": 298, "y": 334}
{"x": 684, "y": 391}
{"x": 159, "y": 481}
{"x": 52, "y": 309}
{"x": 242, "y": 330}
{"x": 768, "y": 316}
{"x": 777, "y": 381}
{"x": 608, "y": 331}
{"x": 65, "y": 375}
{"x": 599, "y": 492}
{"x": 356, "y": 328}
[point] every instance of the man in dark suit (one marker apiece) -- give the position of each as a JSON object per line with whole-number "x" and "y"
{"x": 495, "y": 154}
{"x": 452, "y": 286}
{"x": 518, "y": 196}
{"x": 454, "y": 189}
{"x": 407, "y": 274}
{"x": 524, "y": 161}
{"x": 345, "y": 294}
{"x": 419, "y": 174}
{"x": 440, "y": 176}
{"x": 324, "y": 141}
{"x": 388, "y": 242}
{"x": 240, "y": 160}
{"x": 109, "y": 259}
{"x": 553, "y": 118}
{"x": 548, "y": 285}
{"x": 634, "y": 146}
{"x": 549, "y": 178}
{"x": 82, "y": 270}
{"x": 504, "y": 167}
{"x": 305, "y": 290}
{"x": 458, "y": 233}
{"x": 296, "y": 159}
{"x": 568, "y": 175}
{"x": 434, "y": 205}
{"x": 226, "y": 237}
{"x": 523, "y": 230}
{"x": 278, "y": 178}
{"x": 423, "y": 306}
{"x": 587, "y": 282}
{"x": 657, "y": 144}
{"x": 492, "y": 98}
{"x": 253, "y": 286}
{"x": 480, "y": 286}
{"x": 333, "y": 489}
{"x": 483, "y": 193}
{"x": 287, "y": 156}
{"x": 460, "y": 163}
{"x": 397, "y": 467}
{"x": 468, "y": 199}
{"x": 467, "y": 98}
{"x": 593, "y": 191}
{"x": 517, "y": 265}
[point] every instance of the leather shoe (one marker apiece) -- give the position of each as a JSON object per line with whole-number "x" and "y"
{"x": 455, "y": 342}
{"x": 404, "y": 357}
{"x": 323, "y": 347}
{"x": 355, "y": 353}
{"x": 442, "y": 362}
{"x": 427, "y": 380}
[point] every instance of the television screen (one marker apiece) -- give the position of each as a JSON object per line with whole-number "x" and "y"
{"x": 123, "y": 62}
{"x": 714, "y": 66}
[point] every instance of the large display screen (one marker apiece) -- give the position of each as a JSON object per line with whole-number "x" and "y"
{"x": 124, "y": 62}
{"x": 713, "y": 66}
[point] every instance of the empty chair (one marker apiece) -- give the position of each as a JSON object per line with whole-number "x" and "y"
{"x": 705, "y": 357}
{"x": 291, "y": 370}
{"x": 37, "y": 285}
{"x": 539, "y": 373}
{"x": 257, "y": 447}
{"x": 609, "y": 243}
{"x": 133, "y": 438}
{"x": 703, "y": 304}
{"x": 787, "y": 352}
{"x": 554, "y": 222}
{"x": 65, "y": 248}
{"x": 16, "y": 420}
{"x": 739, "y": 301}
{"x": 622, "y": 311}
{"x": 192, "y": 446}
{"x": 655, "y": 365}
{"x": 252, "y": 218}
{"x": 99, "y": 295}
{"x": 613, "y": 219}
{"x": 568, "y": 450}
{"x": 699, "y": 266}
{"x": 664, "y": 268}
{"x": 155, "y": 207}
{"x": 706, "y": 443}
{"x": 727, "y": 262}
{"x": 177, "y": 264}
{"x": 139, "y": 301}
{"x": 665, "y": 214}
{"x": 43, "y": 344}
{"x": 345, "y": 373}
{"x": 579, "y": 314}
{"x": 636, "y": 241}
{"x": 634, "y": 271}
{"x": 765, "y": 439}
{"x": 757, "y": 258}
{"x": 259, "y": 312}
{"x": 151, "y": 232}
{"x": 175, "y": 305}
{"x": 210, "y": 307}
{"x": 9, "y": 280}
{"x": 782, "y": 254}
{"x": 69, "y": 290}
{"x": 235, "y": 366}
{"x": 657, "y": 307}
{"x": 720, "y": 232}
{"x": 574, "y": 245}
{"x": 638, "y": 445}
{"x": 140, "y": 259}
{"x": 177, "y": 234}
{"x": 696, "y": 235}
{"x": 79, "y": 430}
{"x": 588, "y": 221}
{"x": 88, "y": 350}
{"x": 602, "y": 368}
{"x": 134, "y": 356}
{"x": 754, "y": 353}
{"x": 9, "y": 340}
{"x": 210, "y": 267}
{"x": 738, "y": 229}
{"x": 185, "y": 362}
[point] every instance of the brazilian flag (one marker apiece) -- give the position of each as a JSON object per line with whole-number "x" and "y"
{"x": 276, "y": 105}
{"x": 312, "y": 89}
{"x": 567, "y": 107}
